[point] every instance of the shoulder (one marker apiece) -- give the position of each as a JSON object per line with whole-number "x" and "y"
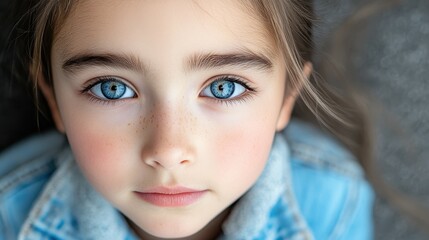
{"x": 329, "y": 184}
{"x": 24, "y": 169}
{"x": 312, "y": 147}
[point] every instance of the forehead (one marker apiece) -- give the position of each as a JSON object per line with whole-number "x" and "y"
{"x": 178, "y": 26}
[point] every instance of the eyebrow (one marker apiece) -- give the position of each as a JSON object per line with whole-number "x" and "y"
{"x": 103, "y": 60}
{"x": 195, "y": 62}
{"x": 243, "y": 60}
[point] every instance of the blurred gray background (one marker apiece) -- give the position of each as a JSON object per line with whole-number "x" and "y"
{"x": 388, "y": 56}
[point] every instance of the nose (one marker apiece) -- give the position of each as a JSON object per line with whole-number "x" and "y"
{"x": 168, "y": 142}
{"x": 167, "y": 160}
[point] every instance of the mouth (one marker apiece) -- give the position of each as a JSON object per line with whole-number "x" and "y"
{"x": 171, "y": 196}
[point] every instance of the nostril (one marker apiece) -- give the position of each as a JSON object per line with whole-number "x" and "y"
{"x": 184, "y": 162}
{"x": 152, "y": 163}
{"x": 156, "y": 163}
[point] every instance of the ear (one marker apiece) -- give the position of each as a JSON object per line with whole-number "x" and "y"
{"x": 48, "y": 93}
{"x": 289, "y": 101}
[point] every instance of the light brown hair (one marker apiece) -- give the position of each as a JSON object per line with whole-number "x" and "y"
{"x": 290, "y": 23}
{"x": 337, "y": 108}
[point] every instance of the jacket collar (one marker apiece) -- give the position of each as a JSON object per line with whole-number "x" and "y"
{"x": 69, "y": 208}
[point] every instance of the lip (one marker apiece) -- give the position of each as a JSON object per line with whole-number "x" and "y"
{"x": 171, "y": 196}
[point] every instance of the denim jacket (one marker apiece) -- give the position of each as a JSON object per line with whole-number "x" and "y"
{"x": 311, "y": 188}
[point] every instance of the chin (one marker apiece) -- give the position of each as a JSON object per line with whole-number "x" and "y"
{"x": 170, "y": 230}
{"x": 174, "y": 235}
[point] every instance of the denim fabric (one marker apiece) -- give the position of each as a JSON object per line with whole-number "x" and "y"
{"x": 311, "y": 188}
{"x": 24, "y": 170}
{"x": 329, "y": 186}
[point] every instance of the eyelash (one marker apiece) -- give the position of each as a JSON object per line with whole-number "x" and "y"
{"x": 86, "y": 90}
{"x": 248, "y": 94}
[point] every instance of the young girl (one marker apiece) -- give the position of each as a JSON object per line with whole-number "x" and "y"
{"x": 174, "y": 114}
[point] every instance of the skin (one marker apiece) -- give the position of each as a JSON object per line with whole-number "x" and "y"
{"x": 169, "y": 133}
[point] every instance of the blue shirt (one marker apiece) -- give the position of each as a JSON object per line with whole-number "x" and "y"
{"x": 311, "y": 188}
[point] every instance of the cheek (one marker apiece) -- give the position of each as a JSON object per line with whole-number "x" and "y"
{"x": 241, "y": 143}
{"x": 97, "y": 146}
{"x": 241, "y": 155}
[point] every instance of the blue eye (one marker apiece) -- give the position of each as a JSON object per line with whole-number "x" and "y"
{"x": 112, "y": 89}
{"x": 224, "y": 88}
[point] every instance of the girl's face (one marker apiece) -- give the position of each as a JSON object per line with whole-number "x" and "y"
{"x": 170, "y": 107}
